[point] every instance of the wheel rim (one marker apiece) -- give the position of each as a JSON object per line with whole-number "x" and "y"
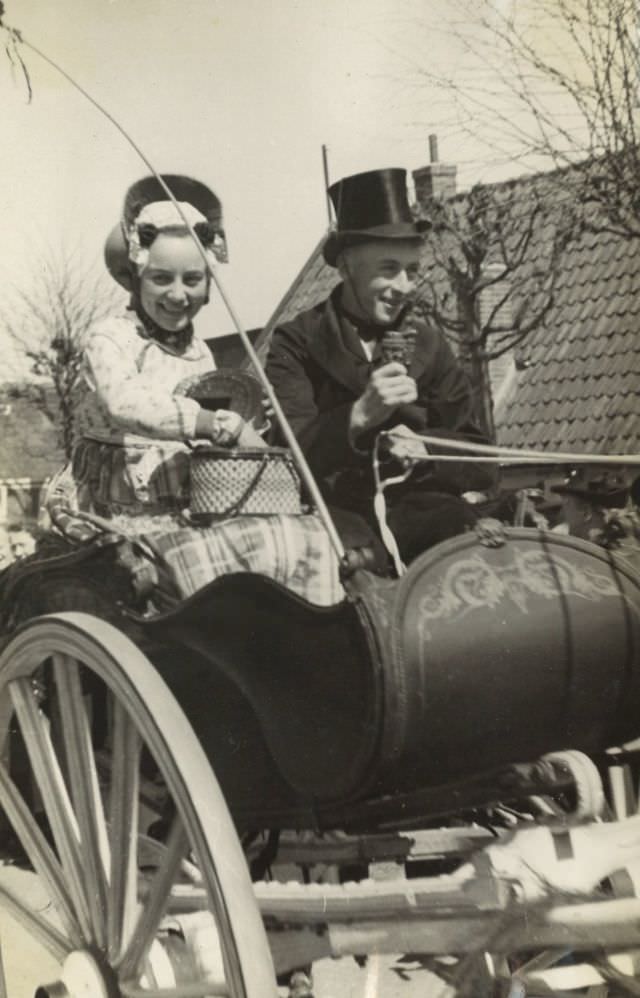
{"x": 144, "y": 917}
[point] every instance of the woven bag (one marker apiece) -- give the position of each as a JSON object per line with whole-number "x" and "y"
{"x": 251, "y": 481}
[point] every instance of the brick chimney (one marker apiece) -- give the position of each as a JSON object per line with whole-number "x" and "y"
{"x": 437, "y": 179}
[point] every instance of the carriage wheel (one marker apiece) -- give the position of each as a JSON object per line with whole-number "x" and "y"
{"x": 552, "y": 971}
{"x": 128, "y": 912}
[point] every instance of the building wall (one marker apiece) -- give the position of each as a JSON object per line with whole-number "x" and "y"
{"x": 19, "y": 501}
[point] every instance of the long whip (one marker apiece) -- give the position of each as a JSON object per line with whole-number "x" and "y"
{"x": 301, "y": 462}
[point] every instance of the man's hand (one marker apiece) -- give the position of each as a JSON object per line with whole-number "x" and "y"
{"x": 388, "y": 387}
{"x": 406, "y": 446}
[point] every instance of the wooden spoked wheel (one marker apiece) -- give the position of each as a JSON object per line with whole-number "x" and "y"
{"x": 561, "y": 971}
{"x": 137, "y": 904}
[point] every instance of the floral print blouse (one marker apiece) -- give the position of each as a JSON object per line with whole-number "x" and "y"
{"x": 128, "y": 380}
{"x": 130, "y": 428}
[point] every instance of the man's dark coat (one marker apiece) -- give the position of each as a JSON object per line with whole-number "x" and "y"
{"x": 318, "y": 368}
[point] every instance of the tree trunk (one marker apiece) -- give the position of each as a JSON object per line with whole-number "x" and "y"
{"x": 481, "y": 381}
{"x": 473, "y": 358}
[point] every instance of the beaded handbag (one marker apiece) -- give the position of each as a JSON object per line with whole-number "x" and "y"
{"x": 229, "y": 482}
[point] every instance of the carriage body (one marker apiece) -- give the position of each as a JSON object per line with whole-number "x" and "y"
{"x": 398, "y": 704}
{"x": 408, "y": 691}
{"x": 414, "y": 701}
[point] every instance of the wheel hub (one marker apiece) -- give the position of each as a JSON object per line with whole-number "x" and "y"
{"x": 82, "y": 977}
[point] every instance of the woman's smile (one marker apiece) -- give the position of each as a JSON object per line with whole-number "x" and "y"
{"x": 174, "y": 284}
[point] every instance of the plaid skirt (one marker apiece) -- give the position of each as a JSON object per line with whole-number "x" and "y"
{"x": 293, "y": 550}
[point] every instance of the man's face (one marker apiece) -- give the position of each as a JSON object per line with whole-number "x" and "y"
{"x": 379, "y": 277}
{"x": 21, "y": 544}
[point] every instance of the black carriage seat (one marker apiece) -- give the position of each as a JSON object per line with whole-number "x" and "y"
{"x": 309, "y": 674}
{"x": 159, "y": 570}
{"x": 101, "y": 576}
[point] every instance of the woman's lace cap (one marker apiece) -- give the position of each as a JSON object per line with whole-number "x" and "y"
{"x": 163, "y": 215}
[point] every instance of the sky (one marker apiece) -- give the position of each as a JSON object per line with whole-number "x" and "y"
{"x": 241, "y": 94}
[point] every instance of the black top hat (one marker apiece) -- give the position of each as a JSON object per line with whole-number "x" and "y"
{"x": 372, "y": 205}
{"x": 147, "y": 191}
{"x": 606, "y": 490}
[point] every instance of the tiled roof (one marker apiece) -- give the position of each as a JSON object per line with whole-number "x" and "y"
{"x": 29, "y": 441}
{"x": 228, "y": 350}
{"x": 313, "y": 283}
{"x": 578, "y": 385}
{"x": 580, "y": 388}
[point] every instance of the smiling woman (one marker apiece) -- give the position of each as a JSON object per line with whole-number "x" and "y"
{"x": 131, "y": 428}
{"x": 143, "y": 466}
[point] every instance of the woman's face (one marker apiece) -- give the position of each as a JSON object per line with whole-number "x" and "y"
{"x": 174, "y": 283}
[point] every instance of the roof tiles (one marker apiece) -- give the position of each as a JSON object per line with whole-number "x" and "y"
{"x": 581, "y": 389}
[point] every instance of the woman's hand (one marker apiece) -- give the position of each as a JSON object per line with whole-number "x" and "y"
{"x": 227, "y": 429}
{"x": 221, "y": 427}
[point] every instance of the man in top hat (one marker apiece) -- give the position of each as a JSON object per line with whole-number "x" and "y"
{"x": 334, "y": 379}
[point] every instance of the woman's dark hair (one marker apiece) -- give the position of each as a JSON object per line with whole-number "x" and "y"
{"x": 147, "y": 232}
{"x": 205, "y": 231}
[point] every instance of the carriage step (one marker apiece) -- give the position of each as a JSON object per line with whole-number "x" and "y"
{"x": 478, "y": 894}
{"x": 370, "y": 899}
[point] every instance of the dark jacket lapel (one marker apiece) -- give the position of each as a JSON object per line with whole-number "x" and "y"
{"x": 335, "y": 347}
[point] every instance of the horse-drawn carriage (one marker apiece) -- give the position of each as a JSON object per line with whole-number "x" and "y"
{"x": 455, "y": 726}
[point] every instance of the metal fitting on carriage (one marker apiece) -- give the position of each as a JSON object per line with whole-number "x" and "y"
{"x": 355, "y": 559}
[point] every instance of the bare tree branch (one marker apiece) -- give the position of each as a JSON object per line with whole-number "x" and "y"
{"x": 48, "y": 321}
{"x": 12, "y": 39}
{"x": 555, "y": 82}
{"x": 492, "y": 260}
